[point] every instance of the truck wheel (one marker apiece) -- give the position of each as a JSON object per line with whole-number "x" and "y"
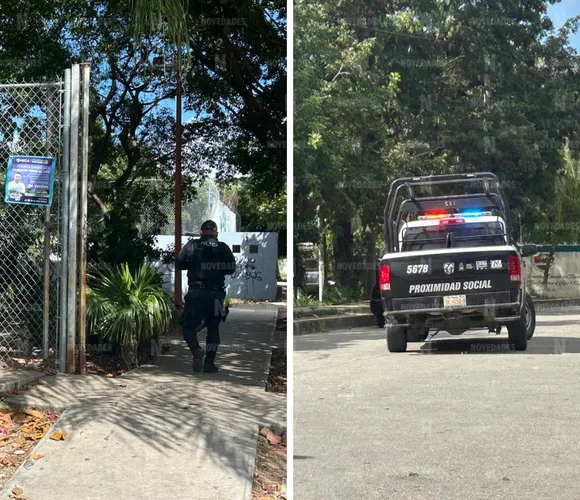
{"x": 530, "y": 311}
{"x": 517, "y": 334}
{"x": 397, "y": 339}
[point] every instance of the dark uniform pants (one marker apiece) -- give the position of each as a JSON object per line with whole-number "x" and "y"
{"x": 207, "y": 306}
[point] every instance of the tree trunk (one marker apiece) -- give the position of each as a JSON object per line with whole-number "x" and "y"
{"x": 548, "y": 266}
{"x": 129, "y": 354}
{"x": 342, "y": 250}
{"x": 298, "y": 271}
{"x": 370, "y": 261}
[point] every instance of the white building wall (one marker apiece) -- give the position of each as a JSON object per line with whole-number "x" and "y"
{"x": 256, "y": 257}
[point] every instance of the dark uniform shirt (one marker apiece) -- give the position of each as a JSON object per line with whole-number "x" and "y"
{"x": 207, "y": 261}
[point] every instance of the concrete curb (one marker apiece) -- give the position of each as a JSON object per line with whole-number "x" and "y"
{"x": 251, "y": 466}
{"x": 548, "y": 304}
{"x": 325, "y": 324}
{"x": 27, "y": 378}
{"x": 354, "y": 319}
{"x": 279, "y": 429}
{"x": 11, "y": 484}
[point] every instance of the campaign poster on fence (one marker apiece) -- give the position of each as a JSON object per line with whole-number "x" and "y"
{"x": 30, "y": 180}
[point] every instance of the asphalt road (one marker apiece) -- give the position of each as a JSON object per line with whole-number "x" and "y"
{"x": 465, "y": 419}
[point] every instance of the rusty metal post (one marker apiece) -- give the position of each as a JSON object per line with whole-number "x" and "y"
{"x": 53, "y": 100}
{"x": 86, "y": 72}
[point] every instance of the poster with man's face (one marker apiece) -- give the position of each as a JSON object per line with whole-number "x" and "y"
{"x": 30, "y": 180}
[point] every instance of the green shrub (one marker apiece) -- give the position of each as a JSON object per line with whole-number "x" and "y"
{"x": 340, "y": 295}
{"x": 304, "y": 300}
{"x": 127, "y": 308}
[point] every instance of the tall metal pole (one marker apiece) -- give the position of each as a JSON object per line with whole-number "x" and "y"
{"x": 52, "y": 102}
{"x": 73, "y": 220}
{"x": 83, "y": 220}
{"x": 320, "y": 258}
{"x": 178, "y": 230}
{"x": 64, "y": 226}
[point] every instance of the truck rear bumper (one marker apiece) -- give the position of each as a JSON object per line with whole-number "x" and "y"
{"x": 441, "y": 310}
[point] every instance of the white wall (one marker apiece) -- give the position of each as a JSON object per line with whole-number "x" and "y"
{"x": 255, "y": 276}
{"x": 563, "y": 279}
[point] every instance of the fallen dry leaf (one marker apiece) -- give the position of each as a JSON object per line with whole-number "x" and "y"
{"x": 10, "y": 460}
{"x": 36, "y": 456}
{"x": 6, "y": 417}
{"x": 122, "y": 385}
{"x": 52, "y": 415}
{"x": 106, "y": 438}
{"x": 109, "y": 375}
{"x": 273, "y": 438}
{"x": 58, "y": 436}
{"x": 17, "y": 491}
{"x": 20, "y": 418}
{"x": 34, "y": 413}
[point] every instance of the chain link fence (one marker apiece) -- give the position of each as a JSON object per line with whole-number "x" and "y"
{"x": 30, "y": 124}
{"x": 159, "y": 215}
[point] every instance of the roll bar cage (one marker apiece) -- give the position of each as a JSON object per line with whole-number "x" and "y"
{"x": 491, "y": 197}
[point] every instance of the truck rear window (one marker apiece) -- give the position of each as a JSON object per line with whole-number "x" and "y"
{"x": 471, "y": 234}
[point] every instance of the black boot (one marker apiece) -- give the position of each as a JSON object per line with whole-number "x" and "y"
{"x": 209, "y": 363}
{"x": 198, "y": 360}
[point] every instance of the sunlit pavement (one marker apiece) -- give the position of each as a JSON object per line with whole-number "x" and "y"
{"x": 460, "y": 418}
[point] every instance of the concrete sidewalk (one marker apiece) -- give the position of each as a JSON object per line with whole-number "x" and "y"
{"x": 169, "y": 434}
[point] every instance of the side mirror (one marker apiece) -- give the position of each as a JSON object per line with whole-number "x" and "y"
{"x": 529, "y": 250}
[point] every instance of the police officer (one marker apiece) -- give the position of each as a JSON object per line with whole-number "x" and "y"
{"x": 207, "y": 261}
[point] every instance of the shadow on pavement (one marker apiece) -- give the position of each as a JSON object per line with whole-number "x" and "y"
{"x": 166, "y": 407}
{"x": 336, "y": 340}
{"x": 537, "y": 345}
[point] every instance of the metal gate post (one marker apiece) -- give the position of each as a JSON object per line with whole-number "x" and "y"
{"x": 64, "y": 228}
{"x": 51, "y": 105}
{"x": 73, "y": 220}
{"x": 83, "y": 219}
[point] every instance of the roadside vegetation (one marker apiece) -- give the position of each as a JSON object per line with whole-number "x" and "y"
{"x": 455, "y": 94}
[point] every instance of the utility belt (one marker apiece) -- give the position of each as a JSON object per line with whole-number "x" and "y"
{"x": 199, "y": 285}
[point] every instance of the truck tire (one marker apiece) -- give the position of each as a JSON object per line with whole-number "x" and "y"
{"x": 530, "y": 316}
{"x": 397, "y": 339}
{"x": 517, "y": 334}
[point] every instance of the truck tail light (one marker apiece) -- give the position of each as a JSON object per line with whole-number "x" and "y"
{"x": 385, "y": 277}
{"x": 515, "y": 268}
{"x": 446, "y": 222}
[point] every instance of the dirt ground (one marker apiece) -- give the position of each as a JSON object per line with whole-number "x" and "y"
{"x": 20, "y": 431}
{"x": 270, "y": 469}
{"x": 277, "y": 378}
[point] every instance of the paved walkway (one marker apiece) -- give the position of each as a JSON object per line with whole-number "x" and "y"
{"x": 170, "y": 433}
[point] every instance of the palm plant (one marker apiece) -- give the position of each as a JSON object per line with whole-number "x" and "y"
{"x": 127, "y": 307}
{"x": 167, "y": 16}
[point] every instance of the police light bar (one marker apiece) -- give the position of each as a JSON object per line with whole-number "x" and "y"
{"x": 474, "y": 213}
{"x": 435, "y": 215}
{"x": 445, "y": 215}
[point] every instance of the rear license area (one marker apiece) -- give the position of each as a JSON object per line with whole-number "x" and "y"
{"x": 454, "y": 301}
{"x": 476, "y": 300}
